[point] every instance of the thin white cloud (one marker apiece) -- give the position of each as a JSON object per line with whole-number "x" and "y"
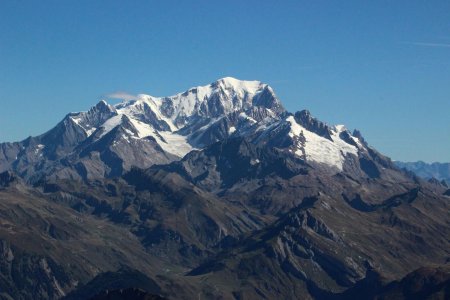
{"x": 423, "y": 44}
{"x": 122, "y": 95}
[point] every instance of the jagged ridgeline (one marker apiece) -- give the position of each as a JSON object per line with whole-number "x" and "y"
{"x": 108, "y": 140}
{"x": 215, "y": 193}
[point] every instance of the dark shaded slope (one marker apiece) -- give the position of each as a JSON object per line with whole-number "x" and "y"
{"x": 47, "y": 248}
{"x": 326, "y": 245}
{"x": 126, "y": 294}
{"x": 224, "y": 164}
{"x": 424, "y": 283}
{"x": 122, "y": 284}
{"x": 173, "y": 219}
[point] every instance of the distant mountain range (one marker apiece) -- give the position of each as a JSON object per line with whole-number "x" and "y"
{"x": 440, "y": 171}
{"x": 215, "y": 193}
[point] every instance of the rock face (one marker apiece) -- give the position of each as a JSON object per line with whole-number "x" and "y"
{"x": 7, "y": 178}
{"x": 48, "y": 248}
{"x": 217, "y": 193}
{"x": 28, "y": 275}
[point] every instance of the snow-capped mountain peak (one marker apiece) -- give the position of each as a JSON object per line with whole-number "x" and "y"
{"x": 219, "y": 98}
{"x": 149, "y": 130}
{"x": 194, "y": 106}
{"x": 313, "y": 146}
{"x": 240, "y": 86}
{"x": 194, "y": 117}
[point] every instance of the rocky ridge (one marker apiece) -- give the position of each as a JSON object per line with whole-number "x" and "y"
{"x": 217, "y": 192}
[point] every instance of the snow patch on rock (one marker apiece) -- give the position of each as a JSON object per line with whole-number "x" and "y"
{"x": 320, "y": 149}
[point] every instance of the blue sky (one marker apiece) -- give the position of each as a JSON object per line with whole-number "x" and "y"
{"x": 380, "y": 66}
